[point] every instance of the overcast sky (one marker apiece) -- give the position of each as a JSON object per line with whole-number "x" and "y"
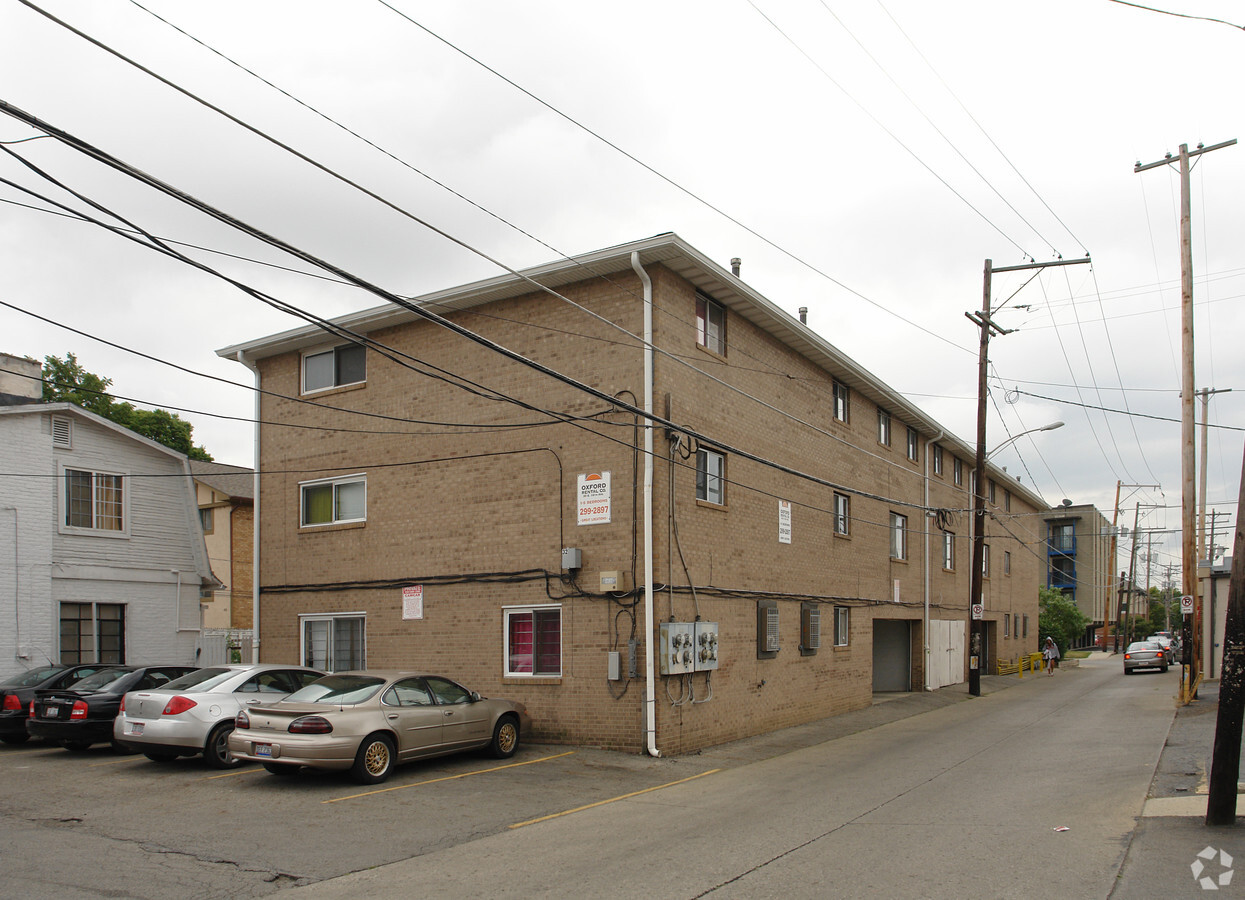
{"x": 863, "y": 159}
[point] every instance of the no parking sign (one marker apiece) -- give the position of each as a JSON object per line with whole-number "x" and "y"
{"x": 1186, "y": 604}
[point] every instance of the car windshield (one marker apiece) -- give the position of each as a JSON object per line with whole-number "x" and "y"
{"x": 100, "y": 680}
{"x": 34, "y": 676}
{"x": 1144, "y": 645}
{"x": 199, "y": 679}
{"x": 338, "y": 689}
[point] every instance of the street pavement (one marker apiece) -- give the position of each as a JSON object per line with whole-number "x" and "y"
{"x": 1084, "y": 784}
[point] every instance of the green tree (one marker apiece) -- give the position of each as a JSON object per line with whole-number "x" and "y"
{"x": 66, "y": 381}
{"x": 1059, "y": 618}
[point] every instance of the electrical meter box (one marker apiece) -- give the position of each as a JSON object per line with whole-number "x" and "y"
{"x": 677, "y": 648}
{"x": 705, "y": 646}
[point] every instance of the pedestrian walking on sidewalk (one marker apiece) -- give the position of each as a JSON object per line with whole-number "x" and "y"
{"x": 1050, "y": 653}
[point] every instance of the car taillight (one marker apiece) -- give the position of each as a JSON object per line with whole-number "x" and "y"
{"x": 311, "y": 725}
{"x": 31, "y": 714}
{"x": 79, "y": 710}
{"x": 242, "y": 720}
{"x": 123, "y": 696}
{"x": 1128, "y": 656}
{"x": 178, "y": 705}
{"x": 11, "y": 703}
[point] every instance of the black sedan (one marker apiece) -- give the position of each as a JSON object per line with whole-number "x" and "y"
{"x": 81, "y": 715}
{"x": 17, "y": 692}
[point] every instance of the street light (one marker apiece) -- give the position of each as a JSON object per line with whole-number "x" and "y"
{"x": 1051, "y": 427}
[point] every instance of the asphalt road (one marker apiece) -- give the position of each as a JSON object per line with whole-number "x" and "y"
{"x": 962, "y": 799}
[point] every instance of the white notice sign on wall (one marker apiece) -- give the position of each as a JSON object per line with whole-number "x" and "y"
{"x": 593, "y": 493}
{"x": 413, "y": 602}
{"x": 784, "y": 521}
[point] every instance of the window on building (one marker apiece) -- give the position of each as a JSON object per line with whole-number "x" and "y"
{"x": 840, "y": 401}
{"x": 1025, "y": 621}
{"x": 1016, "y": 625}
{"x": 711, "y": 477}
{"x": 333, "y": 501}
{"x": 937, "y": 453}
{"x": 985, "y": 560}
{"x": 990, "y": 491}
{"x": 1007, "y": 500}
{"x": 92, "y": 633}
{"x": 1063, "y": 537}
{"x": 948, "y": 551}
{"x": 1007, "y": 625}
{"x": 842, "y": 623}
{"x": 710, "y": 325}
{"x": 899, "y": 536}
{"x": 957, "y": 471}
{"x": 914, "y": 449}
{"x": 207, "y": 519}
{"x": 842, "y": 514}
{"x": 884, "y": 427}
{"x": 334, "y": 643}
{"x": 1007, "y": 562}
{"x": 94, "y": 500}
{"x": 335, "y": 367}
{"x": 534, "y": 641}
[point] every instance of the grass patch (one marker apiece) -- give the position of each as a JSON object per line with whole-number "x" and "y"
{"x": 1077, "y": 654}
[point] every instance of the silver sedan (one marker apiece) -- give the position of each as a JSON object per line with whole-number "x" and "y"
{"x": 366, "y": 722}
{"x": 1144, "y": 655}
{"x": 195, "y": 713}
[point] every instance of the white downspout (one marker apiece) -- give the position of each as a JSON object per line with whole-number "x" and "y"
{"x": 650, "y": 687}
{"x": 925, "y": 503}
{"x": 254, "y": 523}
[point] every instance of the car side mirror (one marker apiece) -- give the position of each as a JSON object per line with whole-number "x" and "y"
{"x": 475, "y": 697}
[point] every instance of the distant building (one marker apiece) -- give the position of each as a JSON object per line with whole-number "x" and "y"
{"x": 225, "y": 495}
{"x": 1078, "y": 563}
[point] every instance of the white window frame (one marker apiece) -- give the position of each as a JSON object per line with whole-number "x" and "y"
{"x": 936, "y": 452}
{"x": 842, "y": 397}
{"x": 884, "y": 427}
{"x": 985, "y": 560}
{"x": 357, "y": 478}
{"x": 957, "y": 471}
{"x": 93, "y": 529}
{"x": 842, "y": 626}
{"x": 330, "y": 651}
{"x": 948, "y": 551}
{"x": 899, "y": 536}
{"x": 1007, "y": 562}
{"x": 714, "y": 318}
{"x": 323, "y": 351}
{"x": 507, "y": 613}
{"x": 842, "y": 514}
{"x": 710, "y": 486}
{"x": 914, "y": 444}
{"x": 95, "y": 634}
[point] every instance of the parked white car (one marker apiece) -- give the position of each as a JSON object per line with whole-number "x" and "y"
{"x": 195, "y": 713}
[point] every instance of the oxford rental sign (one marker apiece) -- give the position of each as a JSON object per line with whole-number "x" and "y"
{"x": 593, "y": 496}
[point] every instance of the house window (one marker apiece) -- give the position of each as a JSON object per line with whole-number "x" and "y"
{"x": 948, "y": 551}
{"x": 899, "y": 536}
{"x": 884, "y": 427}
{"x": 842, "y": 514}
{"x": 534, "y": 641}
{"x": 710, "y": 325}
{"x": 913, "y": 447}
{"x": 94, "y": 500}
{"x": 1007, "y": 625}
{"x": 333, "y": 501}
{"x": 334, "y": 643}
{"x": 1016, "y": 625}
{"x": 335, "y": 367}
{"x": 957, "y": 471}
{"x": 1025, "y": 621}
{"x": 711, "y": 477}
{"x": 985, "y": 560}
{"x": 842, "y": 621}
{"x": 1007, "y": 562}
{"x": 990, "y": 492}
{"x": 937, "y": 451}
{"x": 840, "y": 401}
{"x": 207, "y": 519}
{"x": 1007, "y": 500}
{"x": 92, "y": 633}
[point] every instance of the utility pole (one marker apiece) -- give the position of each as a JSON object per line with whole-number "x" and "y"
{"x": 1188, "y": 555}
{"x": 1225, "y": 764}
{"x": 1132, "y": 575}
{"x": 975, "y": 608}
{"x": 1106, "y": 624}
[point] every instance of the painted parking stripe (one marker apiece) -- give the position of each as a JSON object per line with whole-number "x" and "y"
{"x": 402, "y": 787}
{"x": 612, "y": 799}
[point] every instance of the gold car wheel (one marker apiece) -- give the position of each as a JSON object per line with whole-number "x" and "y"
{"x": 507, "y": 737}
{"x": 376, "y": 758}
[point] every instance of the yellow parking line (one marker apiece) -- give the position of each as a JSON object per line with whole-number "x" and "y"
{"x": 612, "y": 800}
{"x": 242, "y": 770}
{"x": 112, "y": 762}
{"x": 402, "y": 787}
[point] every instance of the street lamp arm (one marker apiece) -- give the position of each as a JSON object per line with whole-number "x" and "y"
{"x": 1051, "y": 427}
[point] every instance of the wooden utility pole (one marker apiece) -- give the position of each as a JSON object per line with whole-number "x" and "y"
{"x": 1113, "y": 594}
{"x": 976, "y": 650}
{"x": 1225, "y": 764}
{"x": 1188, "y": 556}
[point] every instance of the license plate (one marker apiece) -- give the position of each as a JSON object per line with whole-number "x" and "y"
{"x": 136, "y": 728}
{"x": 263, "y": 750}
{"x": 52, "y": 712}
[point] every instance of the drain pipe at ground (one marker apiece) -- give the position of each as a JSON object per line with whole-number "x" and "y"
{"x": 650, "y": 689}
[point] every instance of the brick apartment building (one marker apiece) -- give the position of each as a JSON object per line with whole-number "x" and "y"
{"x": 460, "y": 512}
{"x": 1079, "y": 564}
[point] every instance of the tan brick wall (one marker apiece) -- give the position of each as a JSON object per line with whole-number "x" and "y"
{"x": 455, "y": 500}
{"x": 242, "y": 564}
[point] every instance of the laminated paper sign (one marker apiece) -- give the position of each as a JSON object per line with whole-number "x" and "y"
{"x": 594, "y": 498}
{"x": 784, "y": 521}
{"x": 413, "y": 602}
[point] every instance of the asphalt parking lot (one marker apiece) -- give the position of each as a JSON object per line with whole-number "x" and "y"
{"x": 98, "y": 823}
